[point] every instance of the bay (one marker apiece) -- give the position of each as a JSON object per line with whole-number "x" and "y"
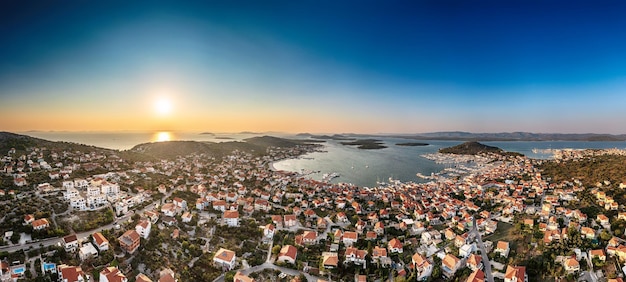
{"x": 356, "y": 166}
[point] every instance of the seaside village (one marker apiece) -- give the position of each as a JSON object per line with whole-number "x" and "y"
{"x": 97, "y": 216}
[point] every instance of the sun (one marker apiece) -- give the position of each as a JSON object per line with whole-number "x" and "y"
{"x": 163, "y": 106}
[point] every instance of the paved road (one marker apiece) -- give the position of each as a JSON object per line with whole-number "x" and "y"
{"x": 483, "y": 253}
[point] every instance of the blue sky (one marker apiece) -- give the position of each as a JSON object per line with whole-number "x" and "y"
{"x": 315, "y": 66}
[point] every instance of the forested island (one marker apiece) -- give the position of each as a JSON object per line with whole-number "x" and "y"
{"x": 412, "y": 144}
{"x": 366, "y": 144}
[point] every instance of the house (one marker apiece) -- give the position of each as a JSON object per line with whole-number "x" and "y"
{"x": 290, "y": 220}
{"x": 231, "y": 218}
{"x": 350, "y": 237}
{"x": 571, "y": 265}
{"x": 70, "y": 243}
{"x": 371, "y": 235}
{"x": 395, "y": 246}
{"x": 186, "y": 217}
{"x": 41, "y": 224}
{"x": 474, "y": 262}
{"x": 225, "y": 259}
{"x": 268, "y": 231}
{"x": 476, "y": 276}
{"x": 603, "y": 219}
{"x": 239, "y": 277}
{"x": 307, "y": 238}
{"x": 180, "y": 204}
{"x": 142, "y": 278}
{"x": 87, "y": 251}
{"x": 288, "y": 254}
{"x": 466, "y": 250}
{"x": 100, "y": 241}
{"x": 143, "y": 228}
{"x": 529, "y": 222}
{"x": 379, "y": 228}
{"x": 450, "y": 264}
{"x": 355, "y": 256}
{"x": 502, "y": 248}
{"x": 460, "y": 240}
{"x": 28, "y": 219}
{"x": 169, "y": 209}
{"x": 421, "y": 264}
{"x": 167, "y": 275}
{"x": 219, "y": 205}
{"x": 330, "y": 260}
{"x": 378, "y": 253}
{"x": 71, "y": 273}
{"x": 515, "y": 274}
{"x": 588, "y": 232}
{"x": 112, "y": 274}
{"x": 129, "y": 241}
{"x": 598, "y": 254}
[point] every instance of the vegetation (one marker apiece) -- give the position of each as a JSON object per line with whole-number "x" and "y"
{"x": 590, "y": 171}
{"x": 412, "y": 144}
{"x": 474, "y": 148}
{"x": 89, "y": 220}
{"x": 367, "y": 144}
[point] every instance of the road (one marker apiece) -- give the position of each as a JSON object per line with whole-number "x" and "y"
{"x": 483, "y": 252}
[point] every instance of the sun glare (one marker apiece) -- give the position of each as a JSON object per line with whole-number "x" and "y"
{"x": 162, "y": 136}
{"x": 163, "y": 106}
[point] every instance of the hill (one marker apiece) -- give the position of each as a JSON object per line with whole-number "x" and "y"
{"x": 474, "y": 148}
{"x": 589, "y": 170}
{"x": 254, "y": 145}
{"x": 20, "y": 142}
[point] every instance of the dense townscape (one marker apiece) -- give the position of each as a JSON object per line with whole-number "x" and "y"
{"x": 95, "y": 215}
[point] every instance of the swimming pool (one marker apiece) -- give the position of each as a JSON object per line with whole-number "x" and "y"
{"x": 19, "y": 270}
{"x": 49, "y": 266}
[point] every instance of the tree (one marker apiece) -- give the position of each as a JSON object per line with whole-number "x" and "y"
{"x": 229, "y": 276}
{"x": 276, "y": 249}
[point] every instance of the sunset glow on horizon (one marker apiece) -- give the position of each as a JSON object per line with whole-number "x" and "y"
{"x": 361, "y": 67}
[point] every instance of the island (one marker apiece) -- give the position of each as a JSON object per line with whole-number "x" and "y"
{"x": 412, "y": 144}
{"x": 366, "y": 144}
{"x": 475, "y": 148}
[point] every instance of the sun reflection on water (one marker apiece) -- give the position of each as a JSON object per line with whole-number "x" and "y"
{"x": 162, "y": 136}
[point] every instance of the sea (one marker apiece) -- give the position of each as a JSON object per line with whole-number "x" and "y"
{"x": 363, "y": 168}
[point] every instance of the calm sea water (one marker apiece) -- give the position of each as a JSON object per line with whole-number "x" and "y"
{"x": 367, "y": 167}
{"x": 127, "y": 140}
{"x": 360, "y": 167}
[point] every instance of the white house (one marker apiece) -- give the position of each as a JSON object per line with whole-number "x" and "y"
{"x": 231, "y": 218}
{"x": 80, "y": 183}
{"x": 100, "y": 241}
{"x": 87, "y": 251}
{"x": 288, "y": 254}
{"x": 70, "y": 193}
{"x": 225, "y": 258}
{"x": 70, "y": 242}
{"x": 78, "y": 203}
{"x": 143, "y": 228}
{"x": 93, "y": 191}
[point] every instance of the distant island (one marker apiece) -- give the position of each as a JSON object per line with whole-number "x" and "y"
{"x": 337, "y": 137}
{"x": 366, "y": 144}
{"x": 224, "y": 137}
{"x": 207, "y": 133}
{"x": 412, "y": 144}
{"x": 474, "y": 148}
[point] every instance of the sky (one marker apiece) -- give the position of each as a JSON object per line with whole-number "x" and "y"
{"x": 313, "y": 66}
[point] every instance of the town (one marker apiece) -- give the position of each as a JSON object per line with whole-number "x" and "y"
{"x": 94, "y": 215}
